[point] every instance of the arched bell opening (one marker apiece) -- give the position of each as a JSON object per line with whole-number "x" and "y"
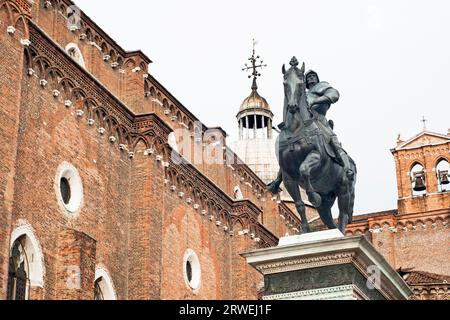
{"x": 442, "y": 173}
{"x": 418, "y": 180}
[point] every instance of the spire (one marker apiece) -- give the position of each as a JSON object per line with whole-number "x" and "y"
{"x": 254, "y": 85}
{"x": 253, "y": 67}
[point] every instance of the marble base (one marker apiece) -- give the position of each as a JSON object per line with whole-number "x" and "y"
{"x": 311, "y": 237}
{"x": 327, "y": 266}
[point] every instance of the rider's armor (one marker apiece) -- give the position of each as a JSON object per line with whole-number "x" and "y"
{"x": 324, "y": 89}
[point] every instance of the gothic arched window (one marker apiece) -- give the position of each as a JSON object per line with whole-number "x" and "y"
{"x": 18, "y": 274}
{"x": 442, "y": 172}
{"x": 98, "y": 293}
{"x": 103, "y": 286}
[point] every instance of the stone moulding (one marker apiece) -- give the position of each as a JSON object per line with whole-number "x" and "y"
{"x": 306, "y": 263}
{"x": 348, "y": 292}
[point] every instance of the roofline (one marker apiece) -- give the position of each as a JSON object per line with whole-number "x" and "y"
{"x": 107, "y": 38}
{"x": 439, "y": 135}
{"x": 225, "y": 134}
{"x": 176, "y": 101}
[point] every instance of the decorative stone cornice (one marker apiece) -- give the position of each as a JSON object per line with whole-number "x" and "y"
{"x": 415, "y": 222}
{"x": 291, "y": 219}
{"x": 305, "y": 263}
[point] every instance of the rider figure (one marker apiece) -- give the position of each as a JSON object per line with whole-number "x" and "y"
{"x": 320, "y": 97}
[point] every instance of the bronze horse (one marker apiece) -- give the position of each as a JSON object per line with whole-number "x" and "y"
{"x": 304, "y": 161}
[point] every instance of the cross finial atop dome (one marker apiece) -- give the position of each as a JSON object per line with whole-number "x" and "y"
{"x": 255, "y": 64}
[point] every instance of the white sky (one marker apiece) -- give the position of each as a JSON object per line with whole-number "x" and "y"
{"x": 390, "y": 60}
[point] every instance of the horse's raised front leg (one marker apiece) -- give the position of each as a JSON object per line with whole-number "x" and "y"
{"x": 311, "y": 162}
{"x": 293, "y": 188}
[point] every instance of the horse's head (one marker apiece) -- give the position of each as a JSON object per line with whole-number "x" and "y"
{"x": 294, "y": 85}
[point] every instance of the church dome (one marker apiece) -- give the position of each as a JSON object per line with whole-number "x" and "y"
{"x": 254, "y": 101}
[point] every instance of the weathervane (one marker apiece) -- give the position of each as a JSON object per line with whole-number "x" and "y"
{"x": 254, "y": 66}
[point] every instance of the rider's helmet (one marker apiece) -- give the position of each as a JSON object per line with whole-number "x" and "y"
{"x": 310, "y": 72}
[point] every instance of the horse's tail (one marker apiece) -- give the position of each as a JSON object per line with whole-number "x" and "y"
{"x": 352, "y": 193}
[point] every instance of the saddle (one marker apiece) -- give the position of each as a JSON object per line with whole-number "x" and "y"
{"x": 305, "y": 138}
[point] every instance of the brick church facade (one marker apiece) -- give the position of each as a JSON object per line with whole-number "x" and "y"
{"x": 97, "y": 202}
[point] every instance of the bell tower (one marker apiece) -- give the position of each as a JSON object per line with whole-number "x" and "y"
{"x": 422, "y": 167}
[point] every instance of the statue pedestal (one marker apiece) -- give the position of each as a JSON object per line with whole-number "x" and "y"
{"x": 327, "y": 266}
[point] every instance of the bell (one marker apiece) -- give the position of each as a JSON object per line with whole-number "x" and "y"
{"x": 443, "y": 175}
{"x": 419, "y": 183}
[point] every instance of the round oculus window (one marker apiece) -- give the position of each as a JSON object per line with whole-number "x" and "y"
{"x": 69, "y": 188}
{"x": 65, "y": 190}
{"x": 191, "y": 270}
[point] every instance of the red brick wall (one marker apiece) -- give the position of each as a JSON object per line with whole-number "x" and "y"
{"x": 419, "y": 241}
{"x": 11, "y": 53}
{"x": 75, "y": 266}
{"x": 49, "y": 135}
{"x": 246, "y": 281}
{"x": 185, "y": 228}
{"x": 130, "y": 222}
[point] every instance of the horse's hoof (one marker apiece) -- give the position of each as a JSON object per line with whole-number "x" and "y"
{"x": 306, "y": 230}
{"x": 315, "y": 199}
{"x": 273, "y": 189}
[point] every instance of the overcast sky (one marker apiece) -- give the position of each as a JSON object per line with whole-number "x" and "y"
{"x": 390, "y": 60}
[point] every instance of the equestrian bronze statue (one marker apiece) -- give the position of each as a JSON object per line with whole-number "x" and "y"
{"x": 308, "y": 152}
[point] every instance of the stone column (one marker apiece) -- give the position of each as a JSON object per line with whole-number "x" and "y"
{"x": 269, "y": 128}
{"x": 248, "y": 127}
{"x": 241, "y": 129}
{"x": 255, "y": 125}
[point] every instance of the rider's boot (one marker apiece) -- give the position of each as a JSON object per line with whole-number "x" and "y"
{"x": 343, "y": 157}
{"x": 346, "y": 162}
